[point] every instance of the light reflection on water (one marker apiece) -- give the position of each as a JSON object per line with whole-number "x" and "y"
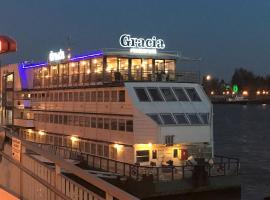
{"x": 243, "y": 131}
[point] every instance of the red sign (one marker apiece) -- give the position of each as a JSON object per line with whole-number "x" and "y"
{"x": 7, "y": 44}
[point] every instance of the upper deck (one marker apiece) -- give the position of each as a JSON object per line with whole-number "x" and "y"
{"x": 107, "y": 67}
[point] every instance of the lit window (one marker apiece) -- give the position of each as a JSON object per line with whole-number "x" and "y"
{"x": 155, "y": 94}
{"x": 142, "y": 156}
{"x": 155, "y": 117}
{"x": 193, "y": 95}
{"x": 168, "y": 94}
{"x": 180, "y": 93}
{"x": 141, "y": 94}
{"x": 181, "y": 118}
{"x": 167, "y": 119}
{"x": 194, "y": 119}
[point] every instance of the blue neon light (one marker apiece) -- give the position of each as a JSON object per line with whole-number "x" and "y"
{"x": 26, "y": 66}
{"x": 74, "y": 59}
{"x": 92, "y": 55}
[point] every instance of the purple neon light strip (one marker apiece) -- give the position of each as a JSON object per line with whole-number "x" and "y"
{"x": 34, "y": 65}
{"x": 77, "y": 58}
{"x": 99, "y": 53}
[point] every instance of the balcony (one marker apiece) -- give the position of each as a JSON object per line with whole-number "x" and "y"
{"x": 27, "y": 123}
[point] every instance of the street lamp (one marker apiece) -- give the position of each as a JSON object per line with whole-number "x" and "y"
{"x": 208, "y": 77}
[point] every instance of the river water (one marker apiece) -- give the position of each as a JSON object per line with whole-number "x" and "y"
{"x": 243, "y": 131}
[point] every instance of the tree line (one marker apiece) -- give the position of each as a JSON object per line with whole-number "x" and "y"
{"x": 244, "y": 79}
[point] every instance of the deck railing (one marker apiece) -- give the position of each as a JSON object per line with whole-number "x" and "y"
{"x": 222, "y": 166}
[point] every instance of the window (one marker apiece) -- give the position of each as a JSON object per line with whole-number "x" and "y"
{"x": 141, "y": 94}
{"x": 65, "y": 119}
{"x": 121, "y": 125}
{"x": 129, "y": 125}
{"x": 93, "y": 122}
{"x": 205, "y": 118}
{"x": 87, "y": 96}
{"x": 99, "y": 150}
{"x": 66, "y": 96}
{"x": 114, "y": 96}
{"x": 121, "y": 96}
{"x": 106, "y": 123}
{"x": 76, "y": 96}
{"x": 100, "y": 122}
{"x": 167, "y": 118}
{"x": 142, "y": 156}
{"x": 113, "y": 124}
{"x": 181, "y": 118}
{"x": 81, "y": 96}
{"x": 168, "y": 94}
{"x": 76, "y": 120}
{"x": 87, "y": 122}
{"x": 180, "y": 93}
{"x": 87, "y": 147}
{"x": 106, "y": 151}
{"x": 60, "y": 96}
{"x": 155, "y": 117}
{"x": 194, "y": 119}
{"x": 51, "y": 118}
{"x": 81, "y": 121}
{"x": 169, "y": 140}
{"x": 93, "y": 148}
{"x": 154, "y": 154}
{"x": 60, "y": 119}
{"x": 175, "y": 153}
{"x": 55, "y": 96}
{"x": 70, "y": 96}
{"x": 93, "y": 96}
{"x": 70, "y": 120}
{"x": 193, "y": 95}
{"x": 155, "y": 94}
{"x": 106, "y": 96}
{"x": 100, "y": 96}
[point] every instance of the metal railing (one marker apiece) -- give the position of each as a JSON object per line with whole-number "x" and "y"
{"x": 222, "y": 166}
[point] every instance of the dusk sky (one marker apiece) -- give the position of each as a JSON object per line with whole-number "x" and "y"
{"x": 226, "y": 34}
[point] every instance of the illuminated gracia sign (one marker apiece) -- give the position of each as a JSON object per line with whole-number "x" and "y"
{"x": 141, "y": 45}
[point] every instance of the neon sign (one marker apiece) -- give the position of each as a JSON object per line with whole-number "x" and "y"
{"x": 57, "y": 56}
{"x": 141, "y": 45}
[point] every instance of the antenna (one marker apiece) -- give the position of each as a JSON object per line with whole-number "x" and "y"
{"x": 68, "y": 46}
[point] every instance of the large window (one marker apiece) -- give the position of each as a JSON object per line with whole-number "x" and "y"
{"x": 205, "y": 118}
{"x": 155, "y": 94}
{"x": 142, "y": 156}
{"x": 193, "y": 95}
{"x": 180, "y": 93}
{"x": 141, "y": 94}
{"x": 167, "y": 119}
{"x": 156, "y": 118}
{"x": 168, "y": 94}
{"x": 194, "y": 118}
{"x": 181, "y": 118}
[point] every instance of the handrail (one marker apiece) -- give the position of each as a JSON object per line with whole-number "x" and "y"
{"x": 92, "y": 179}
